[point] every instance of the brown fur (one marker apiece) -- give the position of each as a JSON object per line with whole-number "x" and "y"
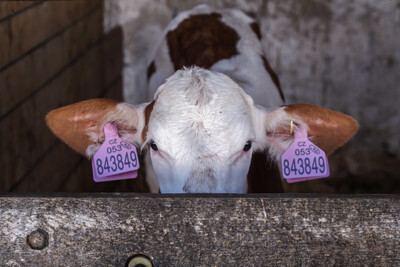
{"x": 151, "y": 69}
{"x": 147, "y": 113}
{"x": 256, "y": 29}
{"x": 328, "y": 129}
{"x": 73, "y": 123}
{"x": 201, "y": 40}
{"x": 264, "y": 175}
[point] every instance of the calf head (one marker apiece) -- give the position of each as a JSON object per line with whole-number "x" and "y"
{"x": 200, "y": 130}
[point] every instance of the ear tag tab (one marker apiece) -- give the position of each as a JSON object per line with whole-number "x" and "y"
{"x": 303, "y": 160}
{"x": 116, "y": 159}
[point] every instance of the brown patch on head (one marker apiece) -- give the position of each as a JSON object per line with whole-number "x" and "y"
{"x": 147, "y": 112}
{"x": 256, "y": 29}
{"x": 201, "y": 40}
{"x": 203, "y": 181}
{"x": 151, "y": 69}
{"x": 264, "y": 175}
{"x": 274, "y": 77}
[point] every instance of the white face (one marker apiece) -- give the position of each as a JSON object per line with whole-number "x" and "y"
{"x": 200, "y": 133}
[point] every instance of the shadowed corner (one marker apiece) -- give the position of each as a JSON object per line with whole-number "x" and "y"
{"x": 264, "y": 175}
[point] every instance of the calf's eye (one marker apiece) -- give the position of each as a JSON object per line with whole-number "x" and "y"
{"x": 153, "y": 145}
{"x": 247, "y": 146}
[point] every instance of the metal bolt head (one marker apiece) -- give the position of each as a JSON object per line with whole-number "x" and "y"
{"x": 38, "y": 239}
{"x": 139, "y": 260}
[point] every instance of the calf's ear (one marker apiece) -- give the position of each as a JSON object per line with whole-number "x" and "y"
{"x": 326, "y": 128}
{"x": 81, "y": 125}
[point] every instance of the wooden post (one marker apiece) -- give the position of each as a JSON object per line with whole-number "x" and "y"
{"x": 199, "y": 230}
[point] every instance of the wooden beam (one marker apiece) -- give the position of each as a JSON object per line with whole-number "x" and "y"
{"x": 28, "y": 137}
{"x": 10, "y": 8}
{"x": 28, "y": 29}
{"x": 46, "y": 61}
{"x": 197, "y": 230}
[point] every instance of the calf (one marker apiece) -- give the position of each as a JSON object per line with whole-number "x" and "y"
{"x": 216, "y": 103}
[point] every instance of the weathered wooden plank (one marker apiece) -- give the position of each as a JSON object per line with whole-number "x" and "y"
{"x": 8, "y": 8}
{"x": 202, "y": 230}
{"x": 30, "y": 73}
{"x": 24, "y": 134}
{"x": 26, "y": 30}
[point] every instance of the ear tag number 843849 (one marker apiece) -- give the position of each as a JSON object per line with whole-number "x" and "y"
{"x": 303, "y": 160}
{"x": 116, "y": 159}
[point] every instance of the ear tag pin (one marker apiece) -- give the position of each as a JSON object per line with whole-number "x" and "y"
{"x": 291, "y": 127}
{"x": 116, "y": 159}
{"x": 303, "y": 160}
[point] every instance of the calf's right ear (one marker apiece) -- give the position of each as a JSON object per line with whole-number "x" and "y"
{"x": 328, "y": 129}
{"x": 81, "y": 125}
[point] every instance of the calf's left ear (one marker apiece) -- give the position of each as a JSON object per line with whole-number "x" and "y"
{"x": 80, "y": 125}
{"x": 326, "y": 128}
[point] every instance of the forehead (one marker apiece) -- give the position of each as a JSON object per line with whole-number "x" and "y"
{"x": 201, "y": 110}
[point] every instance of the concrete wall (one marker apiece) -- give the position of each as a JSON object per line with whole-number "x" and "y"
{"x": 340, "y": 54}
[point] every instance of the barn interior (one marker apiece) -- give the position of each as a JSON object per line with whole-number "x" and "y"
{"x": 343, "y": 56}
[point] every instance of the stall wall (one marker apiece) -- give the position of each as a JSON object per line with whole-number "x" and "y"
{"x": 52, "y": 53}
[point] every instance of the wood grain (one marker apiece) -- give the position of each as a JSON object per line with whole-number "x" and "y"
{"x": 9, "y": 8}
{"x": 202, "y": 230}
{"x": 28, "y": 29}
{"x": 29, "y": 74}
{"x": 24, "y": 133}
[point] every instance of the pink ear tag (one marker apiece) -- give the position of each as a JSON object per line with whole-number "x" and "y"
{"x": 116, "y": 159}
{"x": 303, "y": 160}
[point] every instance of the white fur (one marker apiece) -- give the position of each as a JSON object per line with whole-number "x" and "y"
{"x": 200, "y": 122}
{"x": 268, "y": 121}
{"x": 124, "y": 114}
{"x": 202, "y": 119}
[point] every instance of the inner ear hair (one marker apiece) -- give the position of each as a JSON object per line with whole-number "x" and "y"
{"x": 80, "y": 125}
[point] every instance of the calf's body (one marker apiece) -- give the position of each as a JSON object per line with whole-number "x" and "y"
{"x": 216, "y": 103}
